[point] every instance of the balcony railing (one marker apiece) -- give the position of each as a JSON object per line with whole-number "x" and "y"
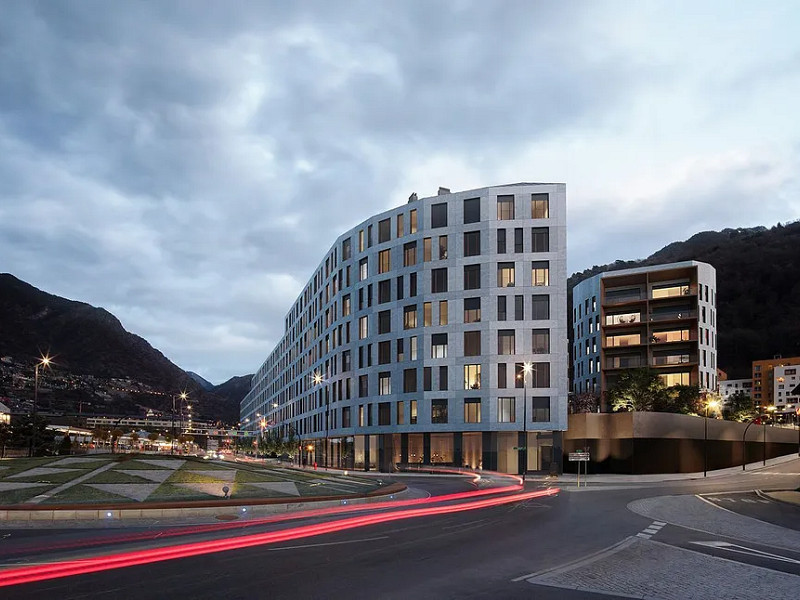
{"x": 623, "y": 299}
{"x": 674, "y": 316}
{"x": 662, "y": 338}
{"x": 674, "y": 359}
{"x": 624, "y": 362}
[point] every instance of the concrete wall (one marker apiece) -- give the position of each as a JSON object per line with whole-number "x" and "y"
{"x": 642, "y": 442}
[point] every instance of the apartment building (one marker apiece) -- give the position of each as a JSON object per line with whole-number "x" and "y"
{"x": 785, "y": 380}
{"x": 729, "y": 387}
{"x": 662, "y": 317}
{"x": 764, "y": 379}
{"x": 407, "y": 344}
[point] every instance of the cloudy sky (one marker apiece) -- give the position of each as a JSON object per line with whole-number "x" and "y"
{"x": 185, "y": 165}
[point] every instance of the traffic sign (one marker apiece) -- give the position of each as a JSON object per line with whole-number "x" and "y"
{"x": 578, "y": 456}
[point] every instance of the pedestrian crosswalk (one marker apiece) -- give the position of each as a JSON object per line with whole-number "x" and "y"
{"x": 651, "y": 530}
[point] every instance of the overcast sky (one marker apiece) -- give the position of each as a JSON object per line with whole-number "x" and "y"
{"x": 185, "y": 165}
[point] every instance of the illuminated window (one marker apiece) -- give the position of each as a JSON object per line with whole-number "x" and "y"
{"x": 472, "y": 410}
{"x": 412, "y": 225}
{"x": 413, "y": 413}
{"x": 362, "y": 269}
{"x": 426, "y": 250}
{"x": 346, "y": 307}
{"x": 426, "y": 314}
{"x": 472, "y": 377}
{"x": 401, "y": 413}
{"x": 384, "y": 383}
{"x": 540, "y": 273}
{"x": 410, "y": 254}
{"x": 400, "y": 227}
{"x": 443, "y": 312}
{"x": 540, "y": 206}
{"x": 439, "y": 345}
{"x": 361, "y": 240}
{"x": 384, "y": 261}
{"x": 505, "y": 274}
{"x": 363, "y": 330}
{"x": 506, "y": 410}
{"x": 410, "y": 317}
{"x": 438, "y": 411}
{"x": 413, "y": 347}
{"x": 505, "y": 208}
{"x": 472, "y": 310}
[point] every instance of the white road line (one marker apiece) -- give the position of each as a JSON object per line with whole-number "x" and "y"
{"x": 585, "y": 560}
{"x": 651, "y": 531}
{"x": 644, "y": 535}
{"x": 659, "y": 523}
{"x": 745, "y": 550}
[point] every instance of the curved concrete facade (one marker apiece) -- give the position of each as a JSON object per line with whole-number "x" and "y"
{"x": 417, "y": 321}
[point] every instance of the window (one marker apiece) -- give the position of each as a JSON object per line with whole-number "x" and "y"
{"x": 409, "y": 254}
{"x": 347, "y": 364}
{"x": 472, "y": 310}
{"x": 472, "y": 410}
{"x": 443, "y": 378}
{"x": 409, "y": 381}
{"x": 518, "y": 247}
{"x": 412, "y": 284}
{"x": 502, "y": 377}
{"x": 384, "y": 352}
{"x": 361, "y": 420}
{"x": 385, "y": 321}
{"x": 363, "y": 386}
{"x": 384, "y": 261}
{"x": 519, "y": 311}
{"x": 472, "y": 377}
{"x": 426, "y": 314}
{"x": 384, "y": 230}
{"x": 438, "y": 280}
{"x": 540, "y": 239}
{"x": 506, "y": 410}
{"x": 384, "y": 291}
{"x": 540, "y": 206}
{"x": 410, "y": 317}
{"x": 538, "y": 377}
{"x": 426, "y": 250}
{"x": 361, "y": 241}
{"x": 346, "y": 308}
{"x": 472, "y": 343}
{"x": 438, "y": 411}
{"x": 472, "y": 210}
{"x": 413, "y": 347}
{"x": 384, "y": 413}
{"x": 347, "y": 250}
{"x": 413, "y": 413}
{"x": 439, "y": 345}
{"x": 346, "y": 422}
{"x": 442, "y": 247}
{"x": 501, "y": 241}
{"x": 472, "y": 277}
{"x": 540, "y": 412}
{"x": 541, "y": 341}
{"x": 363, "y": 329}
{"x": 400, "y": 226}
{"x": 506, "y": 342}
{"x": 505, "y": 208}
{"x": 439, "y": 215}
{"x": 427, "y": 379}
{"x": 443, "y": 312}
{"x": 472, "y": 243}
{"x": 362, "y": 269}
{"x": 384, "y": 383}
{"x": 401, "y": 355}
{"x": 400, "y": 287}
{"x": 540, "y": 273}
{"x": 502, "y": 313}
{"x": 505, "y": 274}
{"x": 540, "y": 307}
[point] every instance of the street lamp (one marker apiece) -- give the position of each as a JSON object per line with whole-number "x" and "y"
{"x": 526, "y": 368}
{"x": 320, "y": 380}
{"x": 182, "y": 396}
{"x": 710, "y": 404}
{"x": 44, "y": 361}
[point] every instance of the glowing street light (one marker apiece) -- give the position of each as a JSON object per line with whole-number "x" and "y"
{"x": 527, "y": 367}
{"x": 183, "y": 395}
{"x": 319, "y": 380}
{"x": 44, "y": 361}
{"x": 710, "y": 404}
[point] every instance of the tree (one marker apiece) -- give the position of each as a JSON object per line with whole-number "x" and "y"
{"x": 739, "y": 407}
{"x": 134, "y": 438}
{"x": 583, "y": 403}
{"x": 637, "y": 389}
{"x": 115, "y": 435}
{"x": 680, "y": 399}
{"x": 22, "y": 434}
{"x": 65, "y": 446}
{"x": 6, "y": 434}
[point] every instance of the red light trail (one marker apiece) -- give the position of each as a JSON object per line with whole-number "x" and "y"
{"x": 20, "y": 575}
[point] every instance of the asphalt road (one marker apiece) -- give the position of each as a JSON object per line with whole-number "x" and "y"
{"x": 475, "y": 554}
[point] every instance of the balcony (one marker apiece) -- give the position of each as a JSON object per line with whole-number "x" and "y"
{"x": 616, "y": 300}
{"x": 673, "y": 337}
{"x": 674, "y": 359}
{"x": 675, "y": 291}
{"x": 673, "y": 316}
{"x": 622, "y": 341}
{"x": 625, "y": 362}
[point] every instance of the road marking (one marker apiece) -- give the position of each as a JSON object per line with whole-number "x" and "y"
{"x": 659, "y": 523}
{"x": 745, "y": 550}
{"x": 372, "y": 539}
{"x": 464, "y": 524}
{"x": 590, "y": 558}
{"x": 644, "y": 535}
{"x": 651, "y": 531}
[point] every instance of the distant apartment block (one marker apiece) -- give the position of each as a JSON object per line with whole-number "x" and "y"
{"x": 662, "y": 317}
{"x": 785, "y": 380}
{"x": 764, "y": 379}
{"x": 729, "y": 387}
{"x": 407, "y": 343}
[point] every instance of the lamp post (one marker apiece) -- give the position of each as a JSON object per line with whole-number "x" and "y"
{"x": 182, "y": 396}
{"x": 710, "y": 404}
{"x": 771, "y": 410}
{"x": 319, "y": 380}
{"x": 44, "y": 361}
{"x": 526, "y": 368}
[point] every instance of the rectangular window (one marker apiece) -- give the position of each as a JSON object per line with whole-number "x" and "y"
{"x": 427, "y": 379}
{"x": 384, "y": 291}
{"x": 472, "y": 310}
{"x": 384, "y": 261}
{"x": 362, "y": 269}
{"x": 409, "y": 254}
{"x": 409, "y": 381}
{"x": 472, "y": 243}
{"x": 413, "y": 347}
{"x": 384, "y": 352}
{"x": 443, "y": 312}
{"x": 502, "y": 377}
{"x": 438, "y": 281}
{"x": 502, "y": 312}
{"x": 540, "y": 206}
{"x": 412, "y": 284}
{"x": 472, "y": 277}
{"x": 361, "y": 420}
{"x": 401, "y": 413}
{"x": 427, "y": 314}
{"x": 519, "y": 311}
{"x": 401, "y": 355}
{"x": 385, "y": 321}
{"x": 540, "y": 305}
{"x": 505, "y": 208}
{"x": 505, "y": 274}
{"x": 472, "y": 210}
{"x": 346, "y": 308}
{"x": 413, "y": 413}
{"x": 347, "y": 250}
{"x": 540, "y": 412}
{"x": 361, "y": 238}
{"x": 363, "y": 386}
{"x": 384, "y": 230}
{"x": 400, "y": 287}
{"x": 472, "y": 410}
{"x": 472, "y": 377}
{"x": 472, "y": 343}
{"x": 506, "y": 342}
{"x": 346, "y": 422}
{"x": 426, "y": 250}
{"x": 384, "y": 383}
{"x": 518, "y": 247}
{"x": 438, "y": 411}
{"x": 442, "y": 378}
{"x": 400, "y": 226}
{"x": 501, "y": 241}
{"x": 412, "y": 225}
{"x": 442, "y": 247}
{"x": 410, "y": 317}
{"x": 540, "y": 239}
{"x": 439, "y": 215}
{"x": 506, "y": 410}
{"x": 540, "y": 273}
{"x": 541, "y": 341}
{"x": 363, "y": 328}
{"x": 439, "y": 345}
{"x": 384, "y": 413}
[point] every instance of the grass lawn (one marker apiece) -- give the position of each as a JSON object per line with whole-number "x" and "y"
{"x": 22, "y": 496}
{"x": 116, "y": 477}
{"x": 17, "y": 465}
{"x": 83, "y": 494}
{"x": 50, "y": 477}
{"x": 167, "y": 493}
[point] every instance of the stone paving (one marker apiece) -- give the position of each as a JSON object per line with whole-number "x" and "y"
{"x": 642, "y": 568}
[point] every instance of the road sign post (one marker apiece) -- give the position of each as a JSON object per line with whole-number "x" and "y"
{"x": 580, "y": 457}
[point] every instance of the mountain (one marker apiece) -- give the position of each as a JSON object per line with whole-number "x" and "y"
{"x": 233, "y": 391}
{"x": 758, "y": 289}
{"x": 206, "y": 385}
